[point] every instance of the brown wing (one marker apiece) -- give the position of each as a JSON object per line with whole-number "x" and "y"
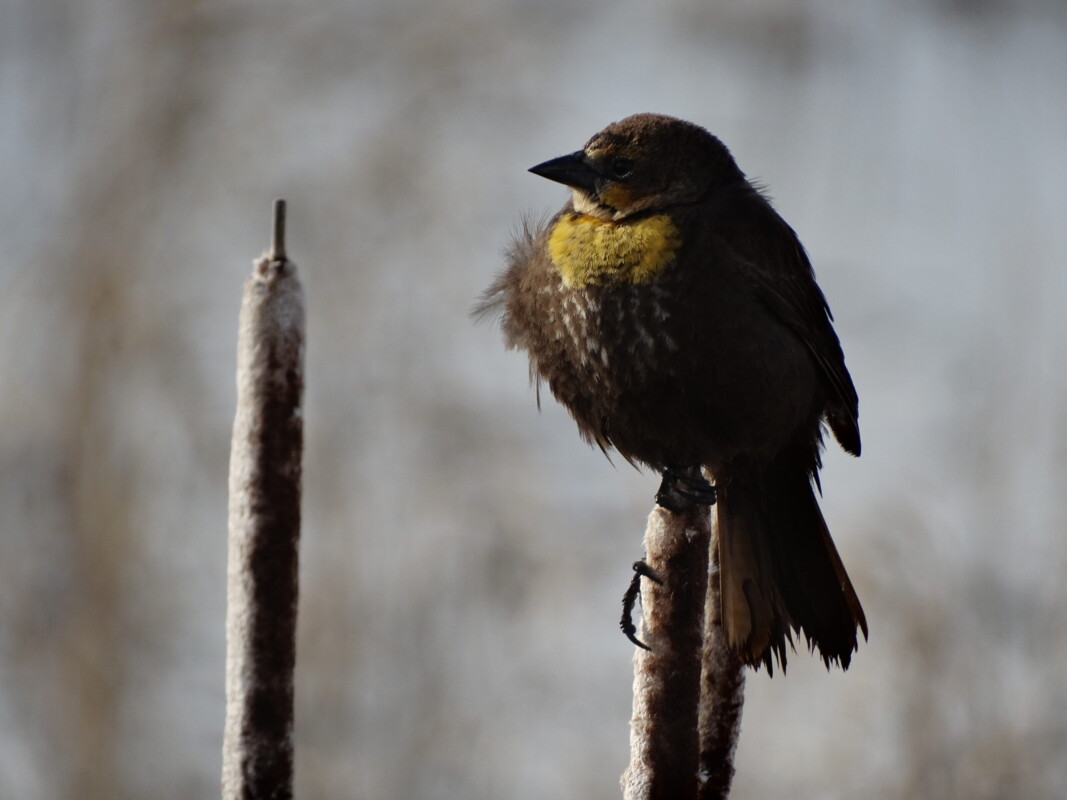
{"x": 783, "y": 279}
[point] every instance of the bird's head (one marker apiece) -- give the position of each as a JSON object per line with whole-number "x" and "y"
{"x": 644, "y": 163}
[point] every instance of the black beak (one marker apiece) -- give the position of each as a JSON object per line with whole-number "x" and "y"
{"x": 571, "y": 170}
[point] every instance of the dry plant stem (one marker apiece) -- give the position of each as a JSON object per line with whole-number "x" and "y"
{"x": 664, "y": 748}
{"x": 264, "y": 522}
{"x": 722, "y": 695}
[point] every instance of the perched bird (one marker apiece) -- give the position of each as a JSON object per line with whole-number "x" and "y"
{"x": 676, "y": 315}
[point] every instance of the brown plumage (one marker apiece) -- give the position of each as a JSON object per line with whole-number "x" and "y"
{"x": 676, "y": 316}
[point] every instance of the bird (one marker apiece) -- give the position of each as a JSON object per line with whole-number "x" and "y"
{"x": 675, "y": 314}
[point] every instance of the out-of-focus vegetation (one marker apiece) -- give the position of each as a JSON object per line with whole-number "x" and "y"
{"x": 463, "y": 556}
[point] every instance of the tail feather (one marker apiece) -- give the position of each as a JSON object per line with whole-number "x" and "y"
{"x": 779, "y": 569}
{"x": 754, "y": 613}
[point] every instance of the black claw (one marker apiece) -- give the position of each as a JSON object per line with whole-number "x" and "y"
{"x": 629, "y": 600}
{"x": 682, "y": 488}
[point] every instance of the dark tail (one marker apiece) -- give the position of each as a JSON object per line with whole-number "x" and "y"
{"x": 779, "y": 569}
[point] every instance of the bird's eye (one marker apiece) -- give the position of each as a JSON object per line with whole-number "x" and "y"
{"x": 622, "y": 167}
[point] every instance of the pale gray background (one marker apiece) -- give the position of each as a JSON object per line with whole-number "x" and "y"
{"x": 463, "y": 556}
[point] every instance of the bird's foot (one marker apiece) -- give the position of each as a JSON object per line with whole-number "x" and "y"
{"x": 629, "y": 600}
{"x": 682, "y": 488}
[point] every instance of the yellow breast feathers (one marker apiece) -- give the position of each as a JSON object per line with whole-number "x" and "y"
{"x": 587, "y": 250}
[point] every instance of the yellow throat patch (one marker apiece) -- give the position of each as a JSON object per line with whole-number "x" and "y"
{"x": 587, "y": 250}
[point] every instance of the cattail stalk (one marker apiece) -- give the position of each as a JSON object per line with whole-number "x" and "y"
{"x": 264, "y": 530}
{"x": 664, "y": 745}
{"x": 722, "y": 694}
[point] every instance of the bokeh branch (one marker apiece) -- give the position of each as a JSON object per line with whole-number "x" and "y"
{"x": 264, "y": 523}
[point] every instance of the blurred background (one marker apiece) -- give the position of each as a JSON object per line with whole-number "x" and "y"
{"x": 463, "y": 556}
